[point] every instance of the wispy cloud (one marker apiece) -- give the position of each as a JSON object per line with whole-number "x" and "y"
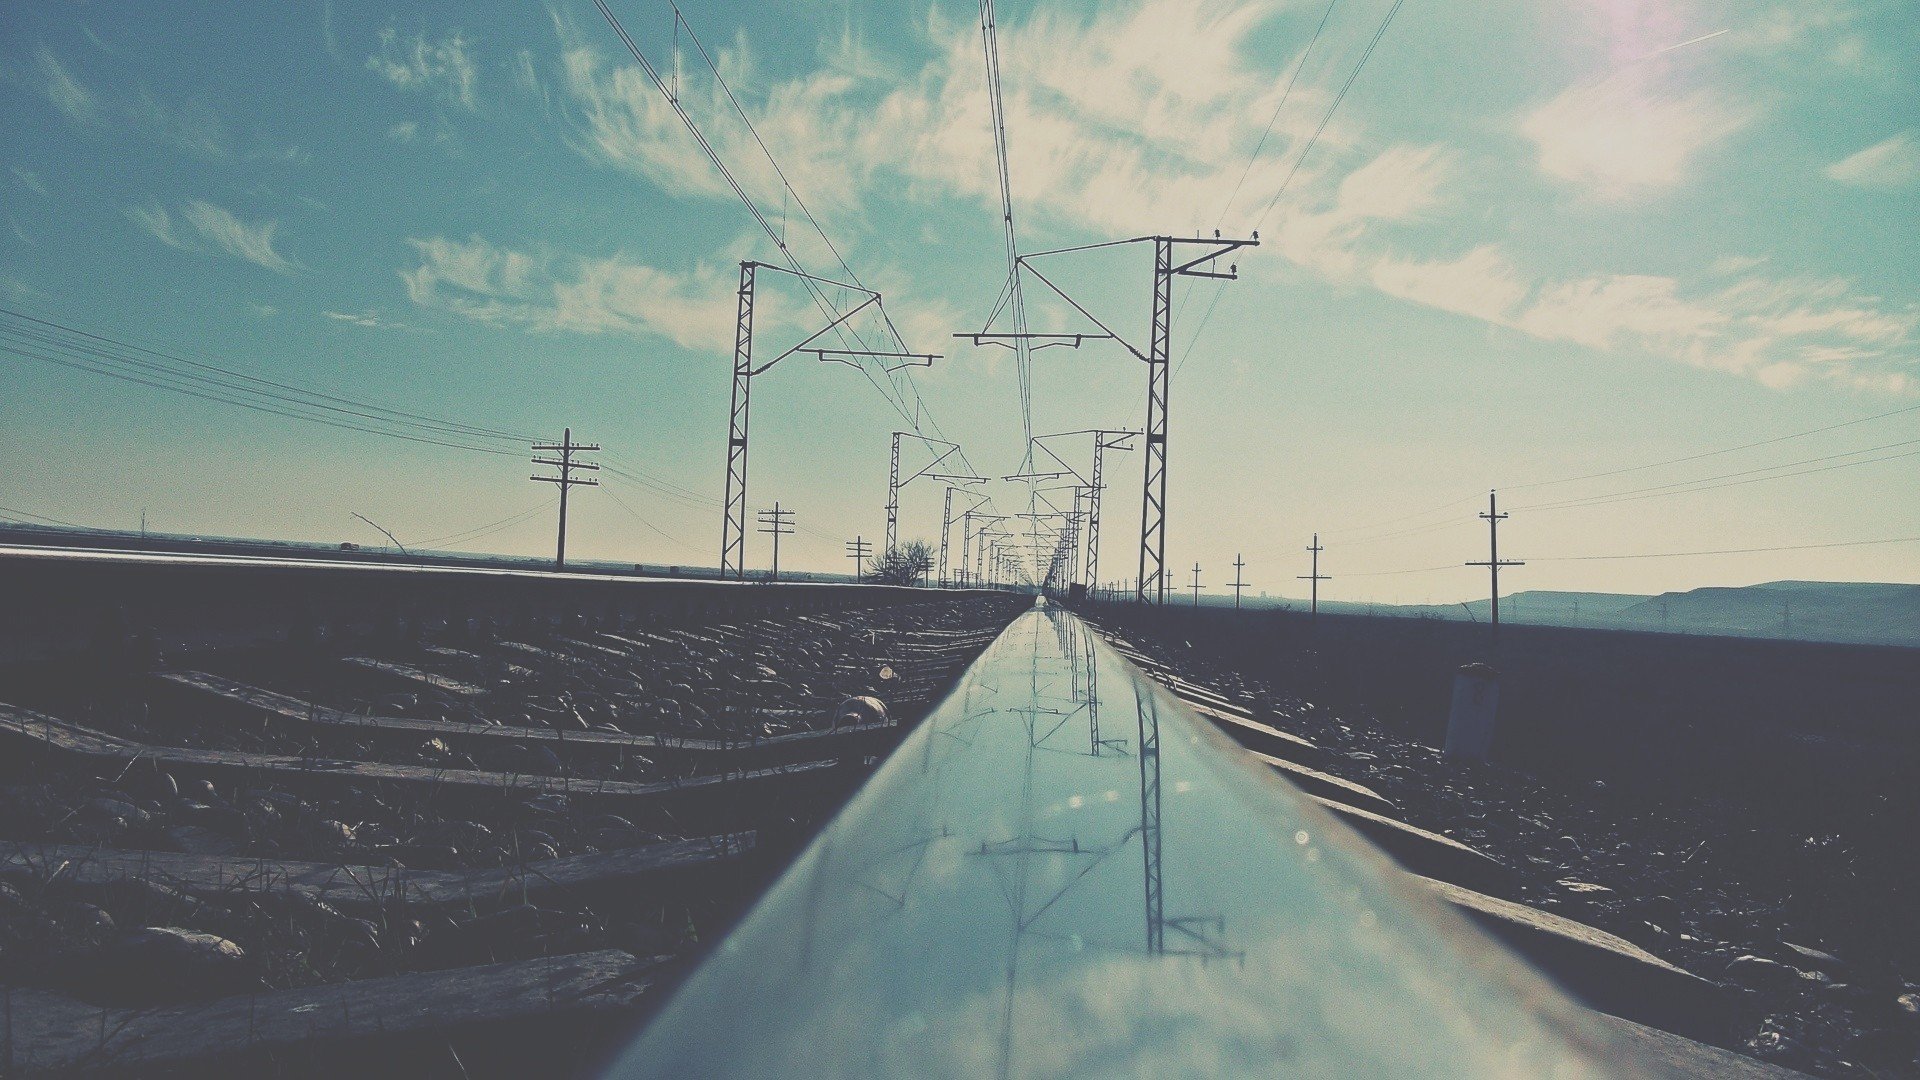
{"x": 1480, "y": 283}
{"x": 327, "y": 35}
{"x": 213, "y": 228}
{"x": 158, "y": 224}
{"x": 1779, "y": 331}
{"x": 1629, "y": 134}
{"x": 18, "y": 290}
{"x": 1802, "y": 30}
{"x": 445, "y": 67}
{"x": 526, "y": 75}
{"x": 1397, "y": 184}
{"x": 65, "y": 92}
{"x": 30, "y": 180}
{"x": 370, "y": 319}
{"x": 252, "y": 242}
{"x": 1888, "y": 165}
{"x": 1125, "y": 119}
{"x": 1129, "y": 117}
{"x": 405, "y": 131}
{"x": 96, "y": 40}
{"x": 555, "y": 292}
{"x": 192, "y": 126}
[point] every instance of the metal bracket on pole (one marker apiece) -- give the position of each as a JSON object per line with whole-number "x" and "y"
{"x": 1035, "y": 342}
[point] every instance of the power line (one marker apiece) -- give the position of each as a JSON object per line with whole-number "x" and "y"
{"x": 912, "y": 415}
{"x": 1702, "y": 485}
{"x": 1275, "y": 118}
{"x": 1635, "y": 494}
{"x": 124, "y": 377}
{"x": 1415, "y": 570}
{"x": 92, "y": 342}
{"x": 1733, "y": 551}
{"x": 1331, "y": 109}
{"x": 489, "y": 528}
{"x": 1632, "y": 469}
{"x": 996, "y": 103}
{"x": 49, "y": 520}
{"x": 1626, "y": 496}
{"x": 1410, "y": 531}
{"x": 622, "y": 503}
{"x": 1661, "y": 555}
{"x": 96, "y": 354}
{"x": 1716, "y": 453}
{"x": 1325, "y": 119}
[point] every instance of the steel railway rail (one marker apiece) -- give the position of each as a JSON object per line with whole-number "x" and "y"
{"x": 1067, "y": 871}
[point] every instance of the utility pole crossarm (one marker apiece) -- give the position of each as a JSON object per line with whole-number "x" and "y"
{"x": 567, "y": 465}
{"x": 1221, "y": 247}
{"x": 1034, "y": 342}
{"x": 1316, "y": 577}
{"x": 859, "y": 550}
{"x": 777, "y": 523}
{"x": 1493, "y": 517}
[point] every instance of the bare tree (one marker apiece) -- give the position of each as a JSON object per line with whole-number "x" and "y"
{"x": 904, "y": 565}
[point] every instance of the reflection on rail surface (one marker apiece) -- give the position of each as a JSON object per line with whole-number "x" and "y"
{"x": 1064, "y": 872}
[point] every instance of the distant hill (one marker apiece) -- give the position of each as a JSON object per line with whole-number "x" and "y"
{"x": 1545, "y": 605}
{"x": 1827, "y": 610}
{"x": 1861, "y": 612}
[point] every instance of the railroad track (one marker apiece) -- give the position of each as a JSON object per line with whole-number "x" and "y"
{"x": 1603, "y": 969}
{"x": 396, "y": 846}
{"x": 1068, "y": 864}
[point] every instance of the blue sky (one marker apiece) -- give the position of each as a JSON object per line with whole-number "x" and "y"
{"x": 1537, "y": 241}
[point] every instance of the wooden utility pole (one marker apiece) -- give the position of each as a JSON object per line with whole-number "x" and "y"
{"x": 859, "y": 549}
{"x": 1493, "y": 517}
{"x": 776, "y": 523}
{"x": 566, "y": 448}
{"x": 1316, "y": 577}
{"x": 1196, "y": 585}
{"x": 1239, "y": 564}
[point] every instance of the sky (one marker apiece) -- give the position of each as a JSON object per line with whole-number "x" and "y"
{"x": 1589, "y": 252}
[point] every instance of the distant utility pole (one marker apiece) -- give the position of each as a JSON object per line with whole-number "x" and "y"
{"x": 1239, "y": 564}
{"x": 1316, "y": 577}
{"x": 859, "y": 550}
{"x": 566, "y": 448}
{"x": 1196, "y": 585}
{"x": 776, "y": 523}
{"x": 1493, "y": 517}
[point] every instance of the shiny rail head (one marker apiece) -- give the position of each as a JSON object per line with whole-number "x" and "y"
{"x": 1063, "y": 872}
